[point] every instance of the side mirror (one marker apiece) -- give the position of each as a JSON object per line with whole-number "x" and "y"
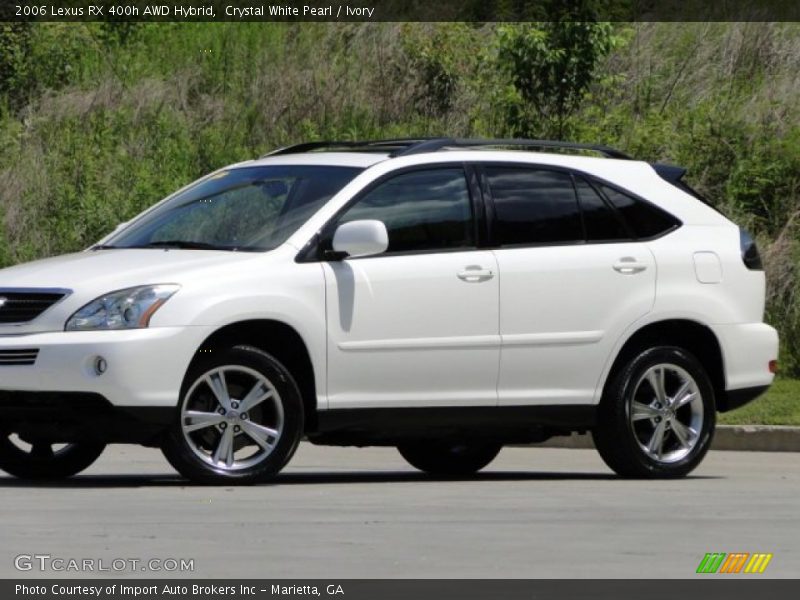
{"x": 361, "y": 238}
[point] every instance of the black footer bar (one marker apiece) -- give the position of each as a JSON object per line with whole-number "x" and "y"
{"x": 703, "y": 587}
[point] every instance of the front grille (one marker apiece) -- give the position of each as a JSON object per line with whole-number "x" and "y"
{"x": 20, "y": 356}
{"x": 24, "y": 306}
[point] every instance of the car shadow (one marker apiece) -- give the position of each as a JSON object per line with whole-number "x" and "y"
{"x": 314, "y": 478}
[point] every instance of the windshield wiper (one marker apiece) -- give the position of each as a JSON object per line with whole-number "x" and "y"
{"x": 184, "y": 244}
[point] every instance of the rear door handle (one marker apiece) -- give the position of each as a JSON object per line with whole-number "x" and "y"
{"x": 475, "y": 274}
{"x": 628, "y": 265}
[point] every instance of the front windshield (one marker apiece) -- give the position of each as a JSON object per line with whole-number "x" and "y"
{"x": 250, "y": 208}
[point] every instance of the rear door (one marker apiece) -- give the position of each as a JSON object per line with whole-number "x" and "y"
{"x": 571, "y": 282}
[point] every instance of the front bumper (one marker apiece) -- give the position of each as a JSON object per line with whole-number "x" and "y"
{"x": 64, "y": 417}
{"x": 145, "y": 367}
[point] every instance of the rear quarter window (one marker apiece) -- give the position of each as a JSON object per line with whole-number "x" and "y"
{"x": 645, "y": 220}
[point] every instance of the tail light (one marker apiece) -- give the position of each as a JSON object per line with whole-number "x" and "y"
{"x": 750, "y": 255}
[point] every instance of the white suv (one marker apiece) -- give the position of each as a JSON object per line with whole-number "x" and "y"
{"x": 443, "y": 296}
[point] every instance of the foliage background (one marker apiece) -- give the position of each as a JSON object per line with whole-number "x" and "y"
{"x": 98, "y": 121}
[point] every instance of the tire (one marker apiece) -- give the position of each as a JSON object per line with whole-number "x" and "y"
{"x": 633, "y": 411}
{"x": 449, "y": 458}
{"x": 42, "y": 461}
{"x": 261, "y": 427}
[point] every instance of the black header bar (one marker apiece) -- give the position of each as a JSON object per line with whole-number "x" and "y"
{"x": 399, "y": 10}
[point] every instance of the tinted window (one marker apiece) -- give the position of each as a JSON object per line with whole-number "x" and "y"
{"x": 643, "y": 218}
{"x": 534, "y": 206}
{"x": 599, "y": 219}
{"x": 423, "y": 210}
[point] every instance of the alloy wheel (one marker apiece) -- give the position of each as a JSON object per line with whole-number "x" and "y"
{"x": 666, "y": 413}
{"x": 232, "y": 417}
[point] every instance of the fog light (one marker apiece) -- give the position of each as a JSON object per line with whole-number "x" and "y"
{"x": 100, "y": 365}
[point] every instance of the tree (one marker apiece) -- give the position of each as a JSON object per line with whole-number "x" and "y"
{"x": 15, "y": 39}
{"x": 548, "y": 68}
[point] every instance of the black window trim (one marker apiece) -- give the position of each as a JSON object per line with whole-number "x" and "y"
{"x": 314, "y": 250}
{"x": 593, "y": 181}
{"x": 581, "y": 214}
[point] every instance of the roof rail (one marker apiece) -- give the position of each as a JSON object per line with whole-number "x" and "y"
{"x": 369, "y": 145}
{"x": 409, "y": 146}
{"x": 437, "y": 144}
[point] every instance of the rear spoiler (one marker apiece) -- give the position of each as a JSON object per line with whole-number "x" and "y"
{"x": 674, "y": 175}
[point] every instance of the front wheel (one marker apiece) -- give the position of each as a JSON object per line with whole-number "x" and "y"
{"x": 240, "y": 419}
{"x": 449, "y": 458}
{"x": 43, "y": 460}
{"x": 657, "y": 416}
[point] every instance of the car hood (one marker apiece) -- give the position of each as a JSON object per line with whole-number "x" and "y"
{"x": 87, "y": 275}
{"x": 115, "y": 268}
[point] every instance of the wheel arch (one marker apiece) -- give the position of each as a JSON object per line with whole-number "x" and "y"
{"x": 278, "y": 339}
{"x": 690, "y": 335}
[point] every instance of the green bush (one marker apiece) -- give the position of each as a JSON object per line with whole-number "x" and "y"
{"x": 547, "y": 70}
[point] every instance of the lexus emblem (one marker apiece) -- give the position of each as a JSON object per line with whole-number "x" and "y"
{"x": 3, "y": 300}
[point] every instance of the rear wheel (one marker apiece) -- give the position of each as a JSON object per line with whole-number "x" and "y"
{"x": 449, "y": 458}
{"x": 240, "y": 420}
{"x": 45, "y": 460}
{"x": 658, "y": 415}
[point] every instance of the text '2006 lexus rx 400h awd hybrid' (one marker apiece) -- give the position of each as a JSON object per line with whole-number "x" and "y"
{"x": 442, "y": 296}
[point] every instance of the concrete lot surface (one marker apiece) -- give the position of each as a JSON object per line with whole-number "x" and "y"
{"x": 352, "y": 513}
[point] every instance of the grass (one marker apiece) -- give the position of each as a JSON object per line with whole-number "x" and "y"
{"x": 779, "y": 406}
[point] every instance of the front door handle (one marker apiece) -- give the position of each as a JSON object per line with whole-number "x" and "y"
{"x": 475, "y": 274}
{"x": 628, "y": 265}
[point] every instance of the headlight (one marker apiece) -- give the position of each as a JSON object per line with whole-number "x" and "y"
{"x": 124, "y": 309}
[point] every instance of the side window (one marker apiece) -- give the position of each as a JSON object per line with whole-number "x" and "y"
{"x": 602, "y": 223}
{"x": 643, "y": 218}
{"x": 422, "y": 210}
{"x": 534, "y": 206}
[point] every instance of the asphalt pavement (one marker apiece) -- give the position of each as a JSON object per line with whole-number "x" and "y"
{"x": 355, "y": 513}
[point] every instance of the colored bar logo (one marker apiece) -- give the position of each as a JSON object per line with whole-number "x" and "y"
{"x": 736, "y": 562}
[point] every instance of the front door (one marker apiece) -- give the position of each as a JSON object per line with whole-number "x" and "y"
{"x": 417, "y": 325}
